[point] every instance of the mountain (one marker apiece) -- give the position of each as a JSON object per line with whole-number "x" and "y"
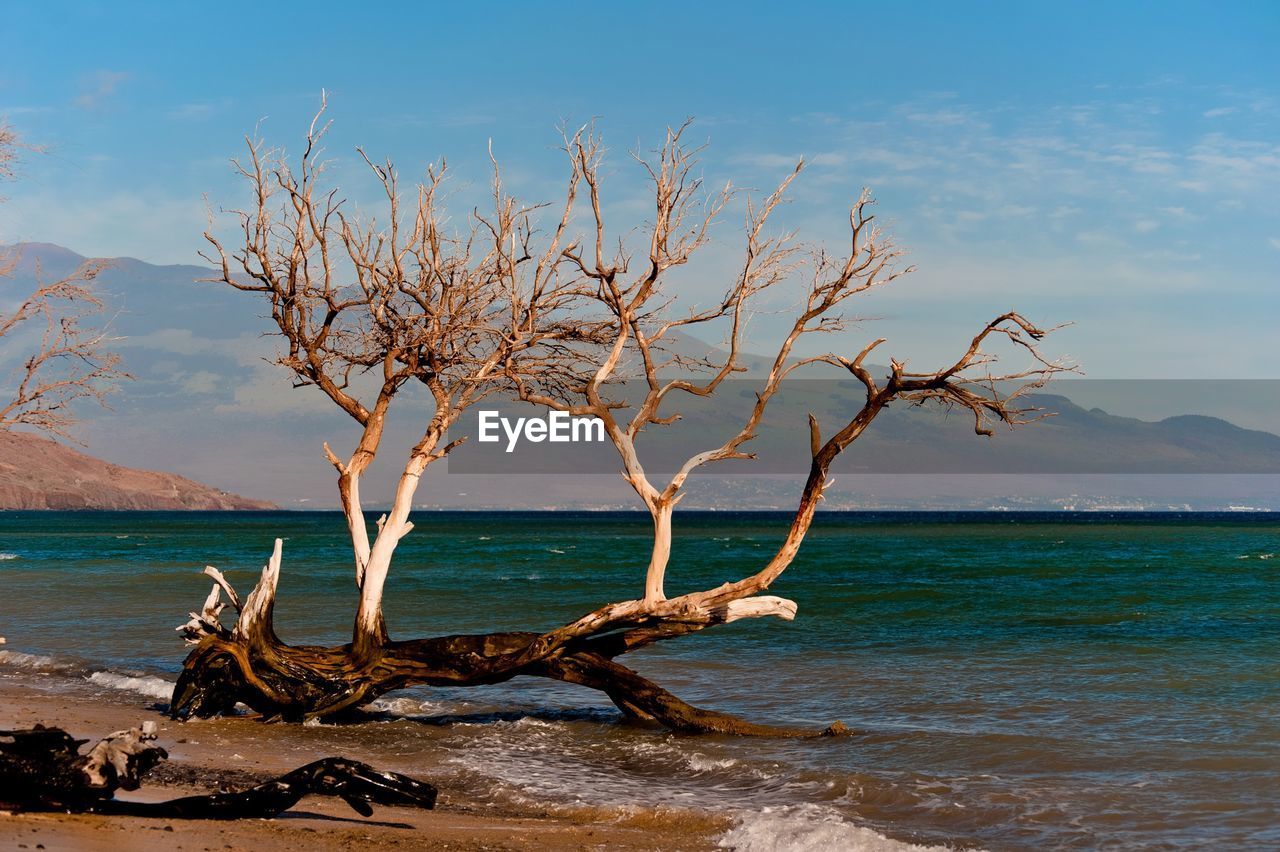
{"x": 37, "y": 473}
{"x": 904, "y": 439}
{"x": 208, "y": 404}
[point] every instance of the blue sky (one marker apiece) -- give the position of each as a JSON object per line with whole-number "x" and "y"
{"x": 1115, "y": 165}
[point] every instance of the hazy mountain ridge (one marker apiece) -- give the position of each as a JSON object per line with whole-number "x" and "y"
{"x": 38, "y": 473}
{"x": 206, "y": 393}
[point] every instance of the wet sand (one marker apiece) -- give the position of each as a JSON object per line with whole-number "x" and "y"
{"x": 205, "y": 754}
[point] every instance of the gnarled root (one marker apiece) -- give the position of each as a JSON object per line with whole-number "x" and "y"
{"x": 248, "y": 664}
{"x": 328, "y": 681}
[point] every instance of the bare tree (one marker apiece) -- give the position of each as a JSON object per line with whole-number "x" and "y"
{"x": 556, "y": 321}
{"x": 65, "y": 355}
{"x": 8, "y": 151}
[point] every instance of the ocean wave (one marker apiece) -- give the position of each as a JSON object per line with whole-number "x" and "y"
{"x": 553, "y": 760}
{"x": 35, "y": 662}
{"x": 4, "y": 556}
{"x": 148, "y": 685}
{"x": 806, "y": 828}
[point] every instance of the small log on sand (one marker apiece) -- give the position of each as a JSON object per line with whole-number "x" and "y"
{"x": 42, "y": 769}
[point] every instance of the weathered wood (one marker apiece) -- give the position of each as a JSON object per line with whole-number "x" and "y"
{"x": 250, "y": 665}
{"x": 41, "y": 769}
{"x": 556, "y": 319}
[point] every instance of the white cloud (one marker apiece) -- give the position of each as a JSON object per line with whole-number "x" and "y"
{"x": 831, "y": 159}
{"x": 194, "y": 111}
{"x": 247, "y": 350}
{"x": 944, "y": 117}
{"x": 202, "y": 382}
{"x": 900, "y": 160}
{"x": 828, "y": 159}
{"x": 1242, "y": 162}
{"x": 25, "y": 110}
{"x": 1100, "y": 238}
{"x": 97, "y": 88}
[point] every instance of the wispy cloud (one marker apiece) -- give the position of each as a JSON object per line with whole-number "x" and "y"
{"x": 25, "y": 110}
{"x": 945, "y": 118}
{"x": 1237, "y": 161}
{"x": 97, "y": 88}
{"x": 829, "y": 159}
{"x": 193, "y": 111}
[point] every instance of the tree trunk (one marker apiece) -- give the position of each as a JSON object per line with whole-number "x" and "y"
{"x": 655, "y": 576}
{"x": 250, "y": 665}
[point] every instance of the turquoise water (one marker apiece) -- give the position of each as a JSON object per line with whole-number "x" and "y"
{"x": 1015, "y": 680}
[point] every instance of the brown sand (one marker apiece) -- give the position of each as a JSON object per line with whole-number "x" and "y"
{"x": 204, "y": 754}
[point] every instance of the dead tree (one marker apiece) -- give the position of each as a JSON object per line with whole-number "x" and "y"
{"x": 556, "y": 322}
{"x": 42, "y": 769}
{"x": 65, "y": 357}
{"x": 8, "y": 151}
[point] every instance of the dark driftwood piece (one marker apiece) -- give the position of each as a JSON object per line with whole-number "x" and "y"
{"x": 41, "y": 769}
{"x": 556, "y": 309}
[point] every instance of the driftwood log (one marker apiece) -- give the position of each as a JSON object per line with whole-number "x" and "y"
{"x": 250, "y": 665}
{"x": 42, "y": 769}
{"x": 553, "y": 308}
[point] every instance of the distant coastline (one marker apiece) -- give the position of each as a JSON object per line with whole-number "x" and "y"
{"x": 37, "y": 473}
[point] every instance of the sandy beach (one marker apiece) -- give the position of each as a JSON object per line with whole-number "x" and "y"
{"x": 235, "y": 752}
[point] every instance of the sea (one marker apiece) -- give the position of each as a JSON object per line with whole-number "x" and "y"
{"x": 1012, "y": 680}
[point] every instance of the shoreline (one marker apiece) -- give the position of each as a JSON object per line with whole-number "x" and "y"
{"x": 204, "y": 754}
{"x": 1011, "y": 684}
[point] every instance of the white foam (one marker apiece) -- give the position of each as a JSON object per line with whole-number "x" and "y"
{"x": 809, "y": 828}
{"x": 703, "y": 763}
{"x": 148, "y": 685}
{"x": 4, "y": 556}
{"x": 31, "y": 661}
{"x": 403, "y": 706}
